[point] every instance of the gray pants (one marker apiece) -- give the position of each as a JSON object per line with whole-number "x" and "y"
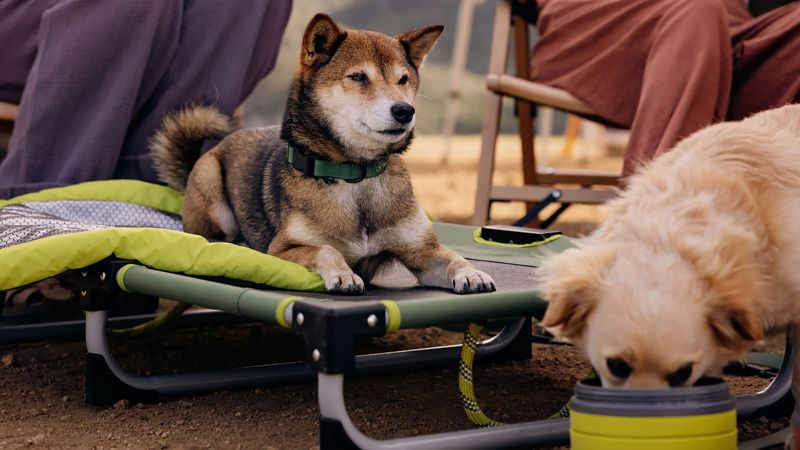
{"x": 94, "y": 78}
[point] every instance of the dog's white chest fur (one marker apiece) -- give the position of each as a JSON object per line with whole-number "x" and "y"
{"x": 366, "y": 245}
{"x": 360, "y": 202}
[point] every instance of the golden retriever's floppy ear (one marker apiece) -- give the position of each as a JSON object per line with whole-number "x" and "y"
{"x": 570, "y": 282}
{"x": 726, "y": 264}
{"x": 419, "y": 42}
{"x": 320, "y": 40}
{"x": 734, "y": 323}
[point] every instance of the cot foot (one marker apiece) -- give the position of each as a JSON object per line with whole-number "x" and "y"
{"x": 104, "y": 388}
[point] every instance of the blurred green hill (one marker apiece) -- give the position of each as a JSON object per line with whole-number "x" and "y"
{"x": 266, "y": 104}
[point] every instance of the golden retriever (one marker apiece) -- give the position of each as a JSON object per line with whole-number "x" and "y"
{"x": 697, "y": 261}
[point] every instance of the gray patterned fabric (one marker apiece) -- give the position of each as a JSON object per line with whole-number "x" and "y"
{"x": 112, "y": 214}
{"x": 27, "y": 222}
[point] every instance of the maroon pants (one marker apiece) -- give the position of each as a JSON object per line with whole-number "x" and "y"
{"x": 94, "y": 78}
{"x": 666, "y": 68}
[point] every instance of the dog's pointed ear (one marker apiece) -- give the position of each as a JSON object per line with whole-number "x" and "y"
{"x": 320, "y": 40}
{"x": 571, "y": 283}
{"x": 417, "y": 43}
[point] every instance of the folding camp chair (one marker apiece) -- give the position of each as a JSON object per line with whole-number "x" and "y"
{"x": 121, "y": 238}
{"x": 549, "y": 185}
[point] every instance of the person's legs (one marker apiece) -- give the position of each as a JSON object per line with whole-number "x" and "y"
{"x": 79, "y": 96}
{"x": 224, "y": 51}
{"x": 20, "y": 25}
{"x": 660, "y": 67}
{"x": 766, "y": 70}
{"x": 105, "y": 73}
{"x": 686, "y": 81}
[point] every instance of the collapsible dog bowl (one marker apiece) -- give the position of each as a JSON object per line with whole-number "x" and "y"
{"x": 700, "y": 417}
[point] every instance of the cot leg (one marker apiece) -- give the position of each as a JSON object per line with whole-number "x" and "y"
{"x": 329, "y": 331}
{"x": 103, "y": 387}
{"x": 795, "y": 439}
{"x": 753, "y": 404}
{"x": 337, "y": 431}
{"x": 107, "y": 382}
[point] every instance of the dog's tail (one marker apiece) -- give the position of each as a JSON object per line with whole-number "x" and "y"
{"x": 176, "y": 145}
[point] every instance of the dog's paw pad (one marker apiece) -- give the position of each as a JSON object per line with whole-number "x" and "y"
{"x": 344, "y": 283}
{"x": 469, "y": 281}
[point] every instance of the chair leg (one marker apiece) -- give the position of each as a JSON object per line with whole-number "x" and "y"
{"x": 556, "y": 214}
{"x": 491, "y": 123}
{"x": 533, "y": 214}
{"x": 492, "y": 105}
{"x": 522, "y": 60}
{"x": 571, "y": 135}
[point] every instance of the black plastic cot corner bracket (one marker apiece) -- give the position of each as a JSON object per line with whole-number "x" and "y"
{"x": 330, "y": 330}
{"x": 104, "y": 388}
{"x": 96, "y": 284}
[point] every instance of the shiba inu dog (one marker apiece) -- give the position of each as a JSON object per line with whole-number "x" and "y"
{"x": 696, "y": 261}
{"x": 329, "y": 189}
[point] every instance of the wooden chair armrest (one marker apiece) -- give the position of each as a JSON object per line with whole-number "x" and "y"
{"x": 8, "y": 112}
{"x": 583, "y": 177}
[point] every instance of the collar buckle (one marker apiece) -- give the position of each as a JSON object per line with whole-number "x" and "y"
{"x": 362, "y": 174}
{"x": 304, "y": 163}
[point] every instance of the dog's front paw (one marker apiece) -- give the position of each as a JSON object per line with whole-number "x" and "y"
{"x": 469, "y": 281}
{"x": 343, "y": 282}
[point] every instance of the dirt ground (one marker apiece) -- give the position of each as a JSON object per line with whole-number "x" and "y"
{"x": 41, "y": 403}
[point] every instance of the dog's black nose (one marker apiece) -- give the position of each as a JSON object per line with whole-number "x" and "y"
{"x": 402, "y": 112}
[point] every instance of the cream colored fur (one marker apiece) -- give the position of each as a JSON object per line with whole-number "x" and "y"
{"x": 697, "y": 260}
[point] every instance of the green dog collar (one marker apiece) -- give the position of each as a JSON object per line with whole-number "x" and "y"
{"x": 321, "y": 168}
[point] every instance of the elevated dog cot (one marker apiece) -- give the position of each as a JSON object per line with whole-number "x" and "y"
{"x": 115, "y": 238}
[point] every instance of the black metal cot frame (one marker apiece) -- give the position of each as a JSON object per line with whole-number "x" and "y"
{"x": 329, "y": 330}
{"x": 107, "y": 382}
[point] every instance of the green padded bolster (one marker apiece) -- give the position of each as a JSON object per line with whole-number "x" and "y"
{"x": 168, "y": 250}
{"x": 158, "y": 248}
{"x": 130, "y": 191}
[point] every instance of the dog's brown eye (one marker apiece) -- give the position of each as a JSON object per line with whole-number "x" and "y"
{"x": 403, "y": 80}
{"x": 680, "y": 376}
{"x": 360, "y": 77}
{"x": 619, "y": 368}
